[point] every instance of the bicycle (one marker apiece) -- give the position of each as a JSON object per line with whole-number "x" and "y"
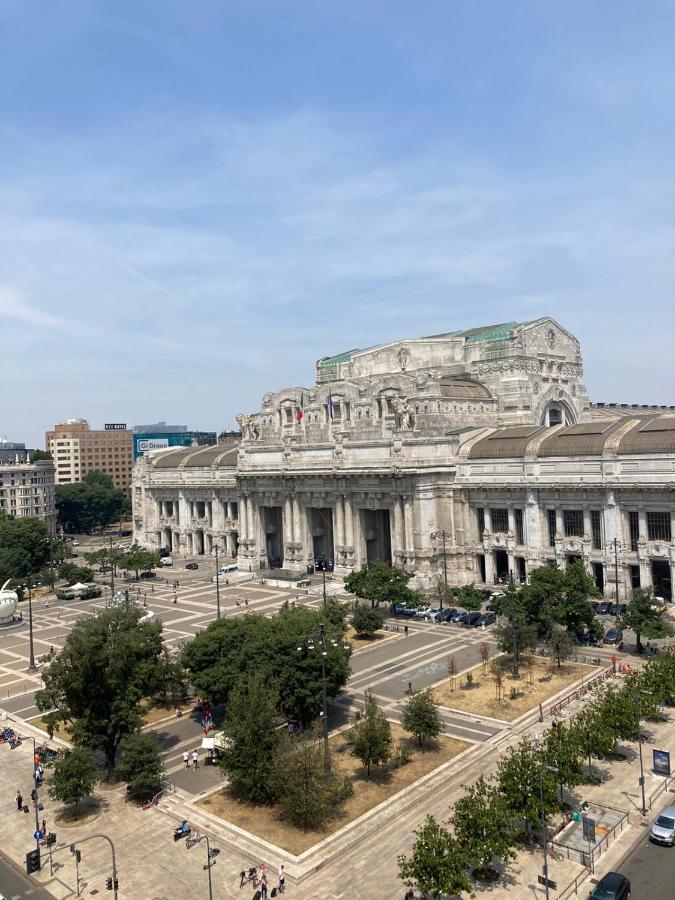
{"x": 192, "y": 839}
{"x": 251, "y": 877}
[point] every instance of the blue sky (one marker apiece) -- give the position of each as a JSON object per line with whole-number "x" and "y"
{"x": 198, "y": 200}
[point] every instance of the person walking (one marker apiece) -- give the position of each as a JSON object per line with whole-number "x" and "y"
{"x": 43, "y": 828}
{"x": 186, "y": 759}
{"x": 195, "y": 760}
{"x": 282, "y": 880}
{"x": 263, "y": 887}
{"x": 19, "y": 801}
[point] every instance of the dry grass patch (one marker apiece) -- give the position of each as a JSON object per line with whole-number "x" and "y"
{"x": 545, "y": 682}
{"x": 267, "y": 823}
{"x": 61, "y": 730}
{"x": 359, "y": 643}
{"x": 155, "y": 713}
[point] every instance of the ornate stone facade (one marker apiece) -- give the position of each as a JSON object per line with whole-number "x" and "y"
{"x": 476, "y": 448}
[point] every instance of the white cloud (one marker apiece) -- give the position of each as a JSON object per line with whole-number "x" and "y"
{"x": 14, "y": 308}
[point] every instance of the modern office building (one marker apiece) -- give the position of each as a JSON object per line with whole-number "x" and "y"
{"x": 150, "y": 440}
{"x": 27, "y": 490}
{"x": 77, "y": 449}
{"x": 475, "y": 454}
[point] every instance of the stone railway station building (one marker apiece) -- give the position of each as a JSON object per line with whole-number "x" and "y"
{"x": 473, "y": 452}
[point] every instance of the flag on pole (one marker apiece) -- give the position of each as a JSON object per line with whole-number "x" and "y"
{"x": 329, "y": 405}
{"x": 300, "y": 410}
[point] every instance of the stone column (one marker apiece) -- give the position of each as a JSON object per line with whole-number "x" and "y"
{"x": 559, "y": 524}
{"x": 358, "y": 538}
{"x": 399, "y": 531}
{"x": 253, "y": 523}
{"x": 339, "y": 539}
{"x": 642, "y": 522}
{"x": 409, "y": 526}
{"x": 287, "y": 522}
{"x": 488, "y": 521}
{"x": 297, "y": 523}
{"x": 349, "y": 521}
{"x": 489, "y": 567}
{"x": 512, "y": 521}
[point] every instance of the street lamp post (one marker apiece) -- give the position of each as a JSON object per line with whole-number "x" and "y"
{"x": 642, "y": 771}
{"x": 443, "y": 535}
{"x": 217, "y": 593}
{"x": 320, "y": 639}
{"x": 323, "y": 572}
{"x": 210, "y": 859}
{"x": 543, "y": 823}
{"x": 31, "y": 661}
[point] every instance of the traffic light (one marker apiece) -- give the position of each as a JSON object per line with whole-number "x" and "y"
{"x": 32, "y": 861}
{"x": 78, "y": 856}
{"x": 108, "y": 884}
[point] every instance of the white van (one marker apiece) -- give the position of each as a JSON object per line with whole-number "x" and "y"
{"x": 226, "y": 570}
{"x": 167, "y": 561}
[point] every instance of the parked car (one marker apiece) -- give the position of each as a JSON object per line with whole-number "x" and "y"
{"x": 604, "y": 608}
{"x": 163, "y": 551}
{"x": 614, "y": 886}
{"x": 75, "y": 543}
{"x": 613, "y": 636}
{"x": 663, "y": 830}
{"x": 617, "y": 609}
{"x": 148, "y": 575}
{"x": 192, "y": 566}
{"x": 488, "y": 618}
{"x": 472, "y": 618}
{"x": 457, "y": 616}
{"x": 398, "y": 609}
{"x": 166, "y": 561}
{"x": 421, "y": 612}
{"x": 431, "y": 613}
{"x": 445, "y": 614}
{"x": 407, "y": 611}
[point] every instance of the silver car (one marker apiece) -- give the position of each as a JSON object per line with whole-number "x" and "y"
{"x": 663, "y": 830}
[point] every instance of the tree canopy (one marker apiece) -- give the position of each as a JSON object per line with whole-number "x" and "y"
{"x": 366, "y": 621}
{"x": 38, "y": 455}
{"x": 381, "y": 583}
{"x": 138, "y": 560}
{"x": 141, "y": 764}
{"x": 96, "y": 682}
{"x": 228, "y": 651}
{"x": 421, "y": 717}
{"x": 370, "y": 740}
{"x": 644, "y": 616}
{"x": 92, "y": 503}
{"x": 25, "y": 546}
{"x": 437, "y": 864}
{"x": 74, "y": 776}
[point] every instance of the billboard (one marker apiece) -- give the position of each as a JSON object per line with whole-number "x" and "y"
{"x": 147, "y": 444}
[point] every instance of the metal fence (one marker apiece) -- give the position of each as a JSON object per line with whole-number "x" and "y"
{"x": 583, "y": 689}
{"x": 662, "y": 788}
{"x": 588, "y": 858}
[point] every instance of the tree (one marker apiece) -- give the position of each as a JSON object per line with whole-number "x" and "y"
{"x": 253, "y": 739}
{"x": 25, "y": 545}
{"x": 643, "y": 616}
{"x": 437, "y": 863}
{"x": 482, "y": 825}
{"x": 521, "y": 772}
{"x": 171, "y": 683}
{"x": 74, "y": 574}
{"x": 469, "y": 598}
{"x": 306, "y": 788}
{"x": 514, "y": 637}
{"x": 229, "y": 650}
{"x": 141, "y": 765}
{"x": 560, "y": 645}
{"x": 369, "y": 740}
{"x": 366, "y": 621}
{"x": 38, "y": 455}
{"x": 498, "y": 675}
{"x": 421, "y": 717}
{"x": 592, "y": 733}
{"x": 381, "y": 583}
{"x": 137, "y": 559}
{"x": 563, "y": 754}
{"x": 95, "y": 684}
{"x": 485, "y": 656}
{"x": 452, "y": 671}
{"x": 92, "y": 503}
{"x": 74, "y": 776}
{"x": 560, "y": 596}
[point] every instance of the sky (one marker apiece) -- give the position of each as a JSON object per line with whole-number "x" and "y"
{"x": 199, "y": 200}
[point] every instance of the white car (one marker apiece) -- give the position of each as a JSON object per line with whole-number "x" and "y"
{"x": 76, "y": 543}
{"x": 430, "y": 614}
{"x": 422, "y": 612}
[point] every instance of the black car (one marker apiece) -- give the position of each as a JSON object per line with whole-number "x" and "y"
{"x": 148, "y": 575}
{"x": 613, "y": 636}
{"x": 458, "y": 616}
{"x": 488, "y": 618}
{"x": 617, "y": 609}
{"x": 192, "y": 566}
{"x": 472, "y": 618}
{"x": 604, "y": 608}
{"x": 444, "y": 615}
{"x": 614, "y": 886}
{"x": 162, "y": 552}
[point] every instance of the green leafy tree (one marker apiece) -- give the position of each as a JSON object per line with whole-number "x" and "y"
{"x": 95, "y": 684}
{"x": 520, "y": 772}
{"x": 38, "y": 455}
{"x": 25, "y": 546}
{"x": 229, "y": 650}
{"x": 253, "y": 738}
{"x": 171, "y": 681}
{"x": 469, "y": 598}
{"x": 74, "y": 574}
{"x": 515, "y": 636}
{"x": 437, "y": 864}
{"x": 381, "y": 583}
{"x": 141, "y": 764}
{"x": 139, "y": 560}
{"x": 74, "y": 776}
{"x": 306, "y": 787}
{"x": 92, "y": 503}
{"x": 483, "y": 826}
{"x": 369, "y": 740}
{"x": 560, "y": 645}
{"x": 593, "y": 734}
{"x": 564, "y": 754}
{"x": 421, "y": 717}
{"x": 644, "y": 616}
{"x": 366, "y": 621}
{"x": 560, "y": 596}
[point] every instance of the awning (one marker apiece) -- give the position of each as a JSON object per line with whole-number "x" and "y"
{"x": 208, "y": 744}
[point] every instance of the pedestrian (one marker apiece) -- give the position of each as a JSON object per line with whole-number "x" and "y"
{"x": 19, "y": 801}
{"x": 246, "y": 601}
{"x": 282, "y": 879}
{"x": 263, "y": 887}
{"x": 175, "y": 598}
{"x": 195, "y": 760}
{"x": 186, "y": 759}
{"x": 43, "y": 828}
{"x": 152, "y": 589}
{"x": 405, "y": 629}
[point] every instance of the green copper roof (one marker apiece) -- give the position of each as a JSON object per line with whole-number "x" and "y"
{"x": 490, "y": 333}
{"x": 329, "y": 362}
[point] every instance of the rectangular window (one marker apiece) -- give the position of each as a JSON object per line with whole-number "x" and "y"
{"x": 520, "y": 531}
{"x": 634, "y": 530}
{"x": 634, "y": 576}
{"x": 596, "y": 529}
{"x": 573, "y": 522}
{"x": 500, "y": 520}
{"x": 480, "y": 513}
{"x": 552, "y": 527}
{"x": 658, "y": 526}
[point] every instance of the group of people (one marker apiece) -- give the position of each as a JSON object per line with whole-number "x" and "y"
{"x": 191, "y": 758}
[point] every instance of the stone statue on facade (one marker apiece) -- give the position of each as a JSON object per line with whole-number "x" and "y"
{"x": 405, "y": 413}
{"x": 249, "y": 427}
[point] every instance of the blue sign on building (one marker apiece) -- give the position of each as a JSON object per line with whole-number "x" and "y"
{"x": 146, "y": 443}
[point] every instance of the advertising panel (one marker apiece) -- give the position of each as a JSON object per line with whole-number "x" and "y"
{"x": 661, "y": 762}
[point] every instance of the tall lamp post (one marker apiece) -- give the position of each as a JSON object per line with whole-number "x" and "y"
{"x": 323, "y": 572}
{"x": 217, "y": 593}
{"x": 317, "y": 641}
{"x": 31, "y": 661}
{"x": 210, "y": 859}
{"x": 443, "y": 535}
{"x": 544, "y": 838}
{"x": 642, "y": 771}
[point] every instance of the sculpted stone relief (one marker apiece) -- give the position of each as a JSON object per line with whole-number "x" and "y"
{"x": 249, "y": 427}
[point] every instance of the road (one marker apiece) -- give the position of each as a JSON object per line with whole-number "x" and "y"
{"x": 15, "y": 886}
{"x": 651, "y": 870}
